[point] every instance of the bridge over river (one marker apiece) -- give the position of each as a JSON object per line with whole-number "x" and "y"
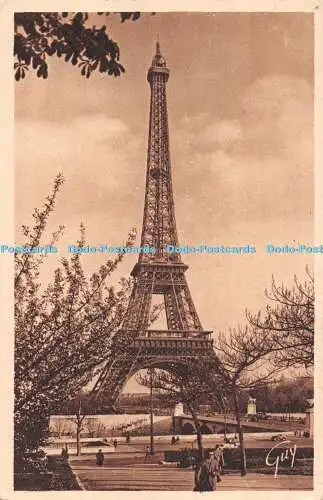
{"x": 217, "y": 424}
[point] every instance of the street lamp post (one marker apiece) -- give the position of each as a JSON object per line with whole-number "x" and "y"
{"x": 151, "y": 372}
{"x": 225, "y": 424}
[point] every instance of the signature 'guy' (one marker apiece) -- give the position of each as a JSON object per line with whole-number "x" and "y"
{"x": 286, "y": 454}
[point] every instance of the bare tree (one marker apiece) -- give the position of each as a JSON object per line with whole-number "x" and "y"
{"x": 95, "y": 427}
{"x": 182, "y": 385}
{"x": 243, "y": 360}
{"x": 253, "y": 356}
{"x": 289, "y": 319}
{"x": 59, "y": 427}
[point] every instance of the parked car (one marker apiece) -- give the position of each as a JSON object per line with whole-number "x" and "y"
{"x": 253, "y": 418}
{"x": 279, "y": 437}
{"x": 262, "y": 416}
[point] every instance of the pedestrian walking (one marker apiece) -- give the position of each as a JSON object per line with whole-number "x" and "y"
{"x": 147, "y": 452}
{"x": 115, "y": 443}
{"x": 99, "y": 458}
{"x": 218, "y": 461}
{"x": 206, "y": 475}
{"x": 64, "y": 453}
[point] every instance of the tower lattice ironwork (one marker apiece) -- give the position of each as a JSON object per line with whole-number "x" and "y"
{"x": 161, "y": 272}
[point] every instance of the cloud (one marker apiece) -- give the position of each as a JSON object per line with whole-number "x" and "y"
{"x": 222, "y": 133}
{"x": 93, "y": 152}
{"x": 246, "y": 179}
{"x": 259, "y": 163}
{"x": 44, "y": 139}
{"x": 277, "y": 116}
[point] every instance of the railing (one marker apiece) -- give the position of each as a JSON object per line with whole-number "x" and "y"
{"x": 167, "y": 334}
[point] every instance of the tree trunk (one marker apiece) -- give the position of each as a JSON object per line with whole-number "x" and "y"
{"x": 79, "y": 428}
{"x": 198, "y": 432}
{"x": 78, "y": 439}
{"x": 240, "y": 433}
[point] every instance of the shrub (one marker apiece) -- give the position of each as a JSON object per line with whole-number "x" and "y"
{"x": 30, "y": 462}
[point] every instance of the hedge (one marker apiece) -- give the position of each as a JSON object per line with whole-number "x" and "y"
{"x": 58, "y": 476}
{"x": 256, "y": 459}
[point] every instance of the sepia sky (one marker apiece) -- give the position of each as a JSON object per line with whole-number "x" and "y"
{"x": 240, "y": 105}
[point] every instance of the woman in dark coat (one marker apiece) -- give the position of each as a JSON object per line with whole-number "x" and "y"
{"x": 99, "y": 458}
{"x": 206, "y": 474}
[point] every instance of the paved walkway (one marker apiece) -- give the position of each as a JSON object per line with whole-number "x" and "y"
{"x": 156, "y": 477}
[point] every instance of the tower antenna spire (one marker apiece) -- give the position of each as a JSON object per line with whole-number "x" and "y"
{"x": 158, "y": 46}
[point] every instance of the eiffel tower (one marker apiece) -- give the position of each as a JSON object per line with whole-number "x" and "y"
{"x": 136, "y": 346}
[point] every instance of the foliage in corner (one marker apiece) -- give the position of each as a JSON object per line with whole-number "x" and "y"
{"x": 39, "y": 35}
